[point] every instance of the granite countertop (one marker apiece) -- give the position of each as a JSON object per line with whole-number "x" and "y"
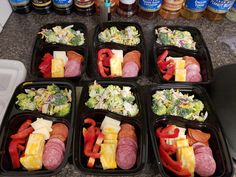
{"x": 18, "y": 37}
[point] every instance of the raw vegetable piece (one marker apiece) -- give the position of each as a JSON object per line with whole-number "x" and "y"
{"x": 15, "y": 159}
{"x": 72, "y": 55}
{"x": 198, "y": 135}
{"x": 23, "y": 134}
{"x": 103, "y": 60}
{"x": 25, "y": 125}
{"x": 167, "y": 132}
{"x": 45, "y": 66}
{"x": 134, "y": 56}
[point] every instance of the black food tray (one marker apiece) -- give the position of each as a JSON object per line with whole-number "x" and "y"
{"x": 15, "y": 117}
{"x": 211, "y": 125}
{"x": 41, "y": 47}
{"x": 202, "y": 55}
{"x": 92, "y": 70}
{"x": 139, "y": 122}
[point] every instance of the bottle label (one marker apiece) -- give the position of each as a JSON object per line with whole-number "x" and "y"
{"x": 150, "y": 5}
{"x": 62, "y": 3}
{"x": 19, "y": 2}
{"x": 196, "y": 5}
{"x": 84, "y": 3}
{"x": 234, "y": 7}
{"x": 41, "y": 3}
{"x": 220, "y": 6}
{"x": 128, "y": 2}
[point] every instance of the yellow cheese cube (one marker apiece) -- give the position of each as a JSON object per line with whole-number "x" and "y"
{"x": 182, "y": 143}
{"x": 186, "y": 156}
{"x": 33, "y": 152}
{"x": 179, "y": 64}
{"x": 110, "y": 142}
{"x": 108, "y": 156}
{"x": 57, "y": 68}
{"x": 110, "y": 136}
{"x": 116, "y": 67}
{"x": 180, "y": 75}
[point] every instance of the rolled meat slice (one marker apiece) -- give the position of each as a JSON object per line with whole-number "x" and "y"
{"x": 134, "y": 56}
{"x": 190, "y": 60}
{"x": 130, "y": 69}
{"x": 205, "y": 164}
{"x": 72, "y": 55}
{"x": 193, "y": 76}
{"x": 72, "y": 68}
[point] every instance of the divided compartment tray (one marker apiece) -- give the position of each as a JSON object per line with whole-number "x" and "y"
{"x": 92, "y": 70}
{"x": 80, "y": 160}
{"x": 13, "y": 111}
{"x": 211, "y": 125}
{"x": 11, "y": 126}
{"x": 224, "y": 167}
{"x": 202, "y": 56}
{"x": 41, "y": 47}
{"x": 195, "y": 33}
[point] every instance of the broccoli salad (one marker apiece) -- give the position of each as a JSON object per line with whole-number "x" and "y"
{"x": 51, "y": 100}
{"x": 112, "y": 98}
{"x": 170, "y": 102}
{"x": 128, "y": 36}
{"x": 166, "y": 36}
{"x": 67, "y": 35}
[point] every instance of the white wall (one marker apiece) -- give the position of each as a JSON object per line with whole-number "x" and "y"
{"x": 5, "y": 11}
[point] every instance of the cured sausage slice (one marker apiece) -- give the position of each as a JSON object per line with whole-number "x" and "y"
{"x": 190, "y": 60}
{"x": 193, "y": 76}
{"x": 205, "y": 149}
{"x": 73, "y": 68}
{"x": 193, "y": 67}
{"x": 52, "y": 158}
{"x": 205, "y": 164}
{"x": 60, "y": 129}
{"x": 130, "y": 69}
{"x": 134, "y": 56}
{"x": 127, "y": 141}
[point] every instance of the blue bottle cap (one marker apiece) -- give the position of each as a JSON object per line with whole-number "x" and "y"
{"x": 107, "y": 3}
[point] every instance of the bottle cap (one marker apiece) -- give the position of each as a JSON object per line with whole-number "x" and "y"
{"x": 107, "y": 3}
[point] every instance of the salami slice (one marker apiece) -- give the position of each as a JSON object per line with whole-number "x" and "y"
{"x": 193, "y": 76}
{"x": 56, "y": 141}
{"x": 204, "y": 149}
{"x": 205, "y": 164}
{"x": 198, "y": 145}
{"x": 134, "y": 56}
{"x": 193, "y": 67}
{"x": 130, "y": 69}
{"x": 127, "y": 133}
{"x": 127, "y": 141}
{"x": 127, "y": 126}
{"x": 59, "y": 129}
{"x": 190, "y": 60}
{"x": 73, "y": 68}
{"x": 52, "y": 158}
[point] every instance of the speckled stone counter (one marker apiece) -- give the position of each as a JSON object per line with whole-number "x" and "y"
{"x": 18, "y": 37}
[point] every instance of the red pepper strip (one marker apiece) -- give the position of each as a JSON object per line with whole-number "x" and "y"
{"x": 101, "y": 69}
{"x": 106, "y": 70}
{"x": 23, "y": 134}
{"x": 161, "y": 134}
{"x": 105, "y": 55}
{"x": 88, "y": 146}
{"x": 166, "y": 157}
{"x": 163, "y": 56}
{"x": 170, "y": 149}
{"x": 14, "y": 153}
{"x": 22, "y": 148}
{"x": 170, "y": 73}
{"x": 183, "y": 172}
{"x": 25, "y": 125}
{"x": 90, "y": 121}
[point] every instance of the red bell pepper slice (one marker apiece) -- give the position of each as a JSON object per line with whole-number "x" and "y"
{"x": 164, "y": 132}
{"x": 170, "y": 149}
{"x": 90, "y": 121}
{"x": 45, "y": 66}
{"x": 163, "y": 56}
{"x": 105, "y": 55}
{"x": 14, "y": 152}
{"x": 170, "y": 73}
{"x": 25, "y": 125}
{"x": 23, "y": 134}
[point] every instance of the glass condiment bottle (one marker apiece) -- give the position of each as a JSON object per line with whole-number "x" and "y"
{"x": 217, "y": 9}
{"x": 127, "y": 8}
{"x": 85, "y": 7}
{"x": 20, "y": 6}
{"x": 105, "y": 11}
{"x": 42, "y": 6}
{"x": 148, "y": 9}
{"x": 170, "y": 9}
{"x": 62, "y": 7}
{"x": 114, "y": 4}
{"x": 193, "y": 9}
{"x": 231, "y": 15}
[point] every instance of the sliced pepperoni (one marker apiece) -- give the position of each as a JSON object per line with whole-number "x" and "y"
{"x": 72, "y": 55}
{"x": 190, "y": 60}
{"x": 60, "y": 129}
{"x": 130, "y": 69}
{"x": 62, "y": 138}
{"x": 134, "y": 56}
{"x": 193, "y": 76}
{"x": 205, "y": 164}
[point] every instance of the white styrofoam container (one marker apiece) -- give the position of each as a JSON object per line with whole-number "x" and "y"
{"x": 5, "y": 12}
{"x": 12, "y": 73}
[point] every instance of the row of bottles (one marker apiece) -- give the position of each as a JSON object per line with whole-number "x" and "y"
{"x": 168, "y": 9}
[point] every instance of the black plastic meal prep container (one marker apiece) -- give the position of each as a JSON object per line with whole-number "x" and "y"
{"x": 41, "y": 47}
{"x": 139, "y": 122}
{"x": 201, "y": 54}
{"x": 14, "y": 117}
{"x": 224, "y": 166}
{"x": 92, "y": 69}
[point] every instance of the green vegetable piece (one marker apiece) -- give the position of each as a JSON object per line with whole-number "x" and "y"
{"x": 91, "y": 103}
{"x": 59, "y": 99}
{"x": 62, "y": 110}
{"x": 53, "y": 88}
{"x": 21, "y": 96}
{"x": 159, "y": 109}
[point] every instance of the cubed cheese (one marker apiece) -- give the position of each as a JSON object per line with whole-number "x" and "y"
{"x": 186, "y": 156}
{"x": 110, "y": 136}
{"x": 115, "y": 66}
{"x": 32, "y": 162}
{"x": 109, "y": 123}
{"x": 174, "y": 58}
{"x": 181, "y": 143}
{"x": 118, "y": 54}
{"x": 57, "y": 69}
{"x": 108, "y": 156}
{"x": 43, "y": 131}
{"x": 179, "y": 64}
{"x": 60, "y": 55}
{"x": 180, "y": 75}
{"x": 110, "y": 142}
{"x": 41, "y": 123}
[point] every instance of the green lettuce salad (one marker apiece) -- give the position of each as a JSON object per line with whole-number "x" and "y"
{"x": 171, "y": 102}
{"x": 51, "y": 100}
